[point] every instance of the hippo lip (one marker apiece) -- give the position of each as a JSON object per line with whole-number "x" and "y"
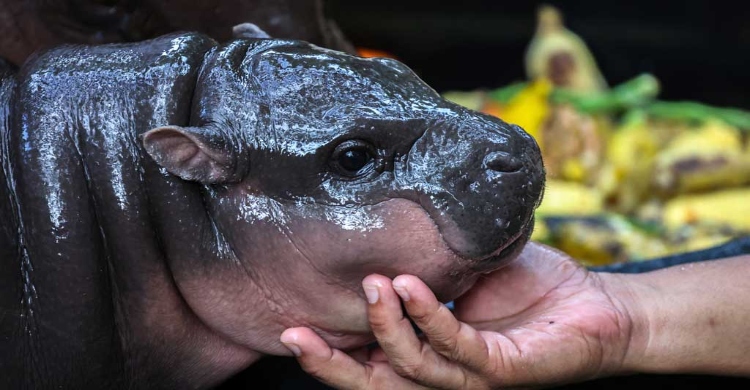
{"x": 508, "y": 243}
{"x": 489, "y": 262}
{"x": 509, "y": 250}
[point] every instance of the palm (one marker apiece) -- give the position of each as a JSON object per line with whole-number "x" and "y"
{"x": 544, "y": 300}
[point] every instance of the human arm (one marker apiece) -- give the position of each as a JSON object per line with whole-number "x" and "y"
{"x": 692, "y": 318}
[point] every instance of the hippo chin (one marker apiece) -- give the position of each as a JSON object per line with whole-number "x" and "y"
{"x": 171, "y": 206}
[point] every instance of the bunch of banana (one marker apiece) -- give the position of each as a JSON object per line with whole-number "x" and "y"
{"x": 557, "y": 54}
{"x": 711, "y": 157}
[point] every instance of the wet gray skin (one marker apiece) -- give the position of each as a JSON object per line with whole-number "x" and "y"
{"x": 170, "y": 207}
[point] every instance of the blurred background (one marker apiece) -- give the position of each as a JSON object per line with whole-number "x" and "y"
{"x": 699, "y": 50}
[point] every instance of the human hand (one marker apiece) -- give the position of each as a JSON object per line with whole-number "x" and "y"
{"x": 542, "y": 320}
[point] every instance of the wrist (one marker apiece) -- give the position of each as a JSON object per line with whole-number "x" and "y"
{"x": 630, "y": 296}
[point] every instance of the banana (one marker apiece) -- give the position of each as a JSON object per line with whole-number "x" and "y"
{"x": 605, "y": 238}
{"x": 631, "y": 150}
{"x": 569, "y": 198}
{"x": 529, "y": 108}
{"x": 727, "y": 207}
{"x": 706, "y": 158}
{"x": 557, "y": 54}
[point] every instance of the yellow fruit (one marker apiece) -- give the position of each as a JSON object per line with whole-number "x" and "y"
{"x": 707, "y": 158}
{"x": 529, "y": 108}
{"x": 557, "y": 54}
{"x": 730, "y": 207}
{"x": 634, "y": 143}
{"x": 569, "y": 198}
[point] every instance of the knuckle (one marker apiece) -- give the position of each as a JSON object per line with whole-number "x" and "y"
{"x": 424, "y": 315}
{"x": 315, "y": 369}
{"x": 413, "y": 371}
{"x": 380, "y": 322}
{"x": 415, "y": 367}
{"x": 316, "y": 372}
{"x": 383, "y": 321}
{"x": 319, "y": 368}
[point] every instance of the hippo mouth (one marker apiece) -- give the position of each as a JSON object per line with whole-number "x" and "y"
{"x": 450, "y": 233}
{"x": 506, "y": 252}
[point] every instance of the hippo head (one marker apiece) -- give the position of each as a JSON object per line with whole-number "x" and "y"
{"x": 319, "y": 168}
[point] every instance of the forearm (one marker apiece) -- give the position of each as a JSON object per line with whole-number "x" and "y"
{"x": 693, "y": 318}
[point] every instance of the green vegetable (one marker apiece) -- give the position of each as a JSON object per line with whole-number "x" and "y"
{"x": 698, "y": 112}
{"x": 636, "y": 92}
{"x": 505, "y": 94}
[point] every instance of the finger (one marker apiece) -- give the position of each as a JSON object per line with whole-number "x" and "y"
{"x": 339, "y": 370}
{"x": 451, "y": 338}
{"x": 409, "y": 356}
{"x": 328, "y": 365}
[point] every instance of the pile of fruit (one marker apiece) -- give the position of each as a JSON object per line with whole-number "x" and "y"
{"x": 630, "y": 177}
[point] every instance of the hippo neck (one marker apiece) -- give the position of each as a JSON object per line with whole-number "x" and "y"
{"x": 103, "y": 212}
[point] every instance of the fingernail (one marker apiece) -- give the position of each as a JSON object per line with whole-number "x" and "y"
{"x": 287, "y": 341}
{"x": 294, "y": 348}
{"x": 371, "y": 291}
{"x": 401, "y": 291}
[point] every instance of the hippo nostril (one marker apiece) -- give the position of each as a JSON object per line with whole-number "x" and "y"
{"x": 501, "y": 162}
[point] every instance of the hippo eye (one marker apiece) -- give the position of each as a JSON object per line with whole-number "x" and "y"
{"x": 350, "y": 157}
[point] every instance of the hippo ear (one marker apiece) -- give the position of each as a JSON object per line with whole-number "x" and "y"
{"x": 249, "y": 31}
{"x": 194, "y": 154}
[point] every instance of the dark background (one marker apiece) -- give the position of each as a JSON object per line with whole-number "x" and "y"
{"x": 699, "y": 50}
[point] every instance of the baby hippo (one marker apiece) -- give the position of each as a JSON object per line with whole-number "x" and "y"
{"x": 171, "y": 206}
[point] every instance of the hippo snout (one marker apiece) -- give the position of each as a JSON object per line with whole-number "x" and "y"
{"x": 490, "y": 178}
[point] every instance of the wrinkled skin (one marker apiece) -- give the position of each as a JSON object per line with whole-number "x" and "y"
{"x": 170, "y": 207}
{"x": 30, "y": 25}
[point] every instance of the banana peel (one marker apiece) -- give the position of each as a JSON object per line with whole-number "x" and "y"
{"x": 557, "y": 54}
